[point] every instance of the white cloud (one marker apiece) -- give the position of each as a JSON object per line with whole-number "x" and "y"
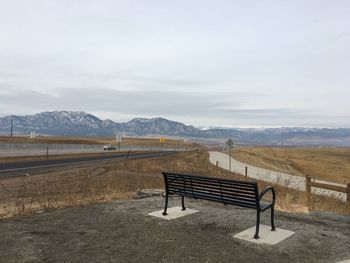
{"x": 205, "y": 62}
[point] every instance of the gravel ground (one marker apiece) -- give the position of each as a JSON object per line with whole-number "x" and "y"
{"x": 122, "y": 231}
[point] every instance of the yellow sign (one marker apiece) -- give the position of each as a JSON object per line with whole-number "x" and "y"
{"x": 162, "y": 139}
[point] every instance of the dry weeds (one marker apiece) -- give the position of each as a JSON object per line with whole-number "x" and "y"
{"x": 120, "y": 180}
{"x": 330, "y": 164}
{"x": 141, "y": 141}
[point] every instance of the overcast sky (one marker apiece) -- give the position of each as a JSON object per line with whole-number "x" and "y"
{"x": 226, "y": 63}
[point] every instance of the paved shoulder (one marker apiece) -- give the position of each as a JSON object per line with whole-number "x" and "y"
{"x": 7, "y": 169}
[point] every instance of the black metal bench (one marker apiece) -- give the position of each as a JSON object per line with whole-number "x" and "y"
{"x": 226, "y": 191}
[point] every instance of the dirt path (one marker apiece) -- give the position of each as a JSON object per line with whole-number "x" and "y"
{"x": 284, "y": 179}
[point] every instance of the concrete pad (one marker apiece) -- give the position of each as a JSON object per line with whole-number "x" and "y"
{"x": 345, "y": 261}
{"x": 173, "y": 212}
{"x": 266, "y": 236}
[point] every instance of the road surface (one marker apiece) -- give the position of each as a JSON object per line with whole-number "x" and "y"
{"x": 21, "y": 168}
{"x": 35, "y": 149}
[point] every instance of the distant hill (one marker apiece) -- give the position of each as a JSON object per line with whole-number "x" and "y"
{"x": 76, "y": 123}
{"x": 296, "y": 136}
{"x": 70, "y": 123}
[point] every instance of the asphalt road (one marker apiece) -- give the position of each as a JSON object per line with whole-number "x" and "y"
{"x": 36, "y": 149}
{"x": 21, "y": 168}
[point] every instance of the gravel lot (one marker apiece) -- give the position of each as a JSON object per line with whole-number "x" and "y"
{"x": 122, "y": 232}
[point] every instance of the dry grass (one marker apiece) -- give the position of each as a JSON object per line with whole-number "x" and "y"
{"x": 330, "y": 164}
{"x": 120, "y": 180}
{"x": 79, "y": 186}
{"x": 141, "y": 141}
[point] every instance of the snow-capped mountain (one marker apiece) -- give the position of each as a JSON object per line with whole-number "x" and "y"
{"x": 68, "y": 123}
{"x": 81, "y": 123}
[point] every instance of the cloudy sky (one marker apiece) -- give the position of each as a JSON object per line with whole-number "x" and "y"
{"x": 226, "y": 63}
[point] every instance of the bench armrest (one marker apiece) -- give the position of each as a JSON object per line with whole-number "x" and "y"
{"x": 265, "y": 190}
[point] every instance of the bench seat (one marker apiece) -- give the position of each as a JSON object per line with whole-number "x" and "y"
{"x": 226, "y": 191}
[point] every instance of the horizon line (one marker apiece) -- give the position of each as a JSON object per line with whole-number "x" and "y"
{"x": 201, "y": 127}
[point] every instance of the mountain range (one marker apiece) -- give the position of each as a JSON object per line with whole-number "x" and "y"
{"x": 77, "y": 123}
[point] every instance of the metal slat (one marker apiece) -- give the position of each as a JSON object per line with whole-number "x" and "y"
{"x": 226, "y": 201}
{"x": 211, "y": 179}
{"x": 181, "y": 184}
{"x": 199, "y": 195}
{"x": 189, "y": 192}
{"x": 219, "y": 191}
{"x": 236, "y": 193}
{"x": 251, "y": 201}
{"x": 232, "y": 190}
{"x": 239, "y": 202}
{"x": 225, "y": 183}
{"x": 240, "y": 197}
{"x": 239, "y": 190}
{"x": 224, "y": 187}
{"x": 215, "y": 183}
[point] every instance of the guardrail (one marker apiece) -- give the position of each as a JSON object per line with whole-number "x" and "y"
{"x": 32, "y": 149}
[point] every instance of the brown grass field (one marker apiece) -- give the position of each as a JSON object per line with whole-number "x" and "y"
{"x": 120, "y": 180}
{"x": 330, "y": 164}
{"x": 142, "y": 141}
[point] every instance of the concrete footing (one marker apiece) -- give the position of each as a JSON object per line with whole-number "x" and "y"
{"x": 173, "y": 213}
{"x": 266, "y": 236}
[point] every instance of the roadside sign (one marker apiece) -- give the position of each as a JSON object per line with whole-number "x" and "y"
{"x": 230, "y": 143}
{"x": 118, "y": 138}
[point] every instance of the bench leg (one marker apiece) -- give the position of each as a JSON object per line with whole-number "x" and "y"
{"x": 183, "y": 203}
{"x": 166, "y": 205}
{"x": 273, "y": 218}
{"x": 256, "y": 236}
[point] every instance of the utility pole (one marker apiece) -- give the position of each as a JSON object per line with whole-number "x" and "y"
{"x": 230, "y": 143}
{"x": 197, "y": 150}
{"x": 11, "y": 132}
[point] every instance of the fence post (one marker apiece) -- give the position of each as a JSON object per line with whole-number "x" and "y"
{"x": 217, "y": 163}
{"x": 348, "y": 195}
{"x": 308, "y": 189}
{"x": 246, "y": 172}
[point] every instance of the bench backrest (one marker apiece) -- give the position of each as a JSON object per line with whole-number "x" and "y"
{"x": 227, "y": 191}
